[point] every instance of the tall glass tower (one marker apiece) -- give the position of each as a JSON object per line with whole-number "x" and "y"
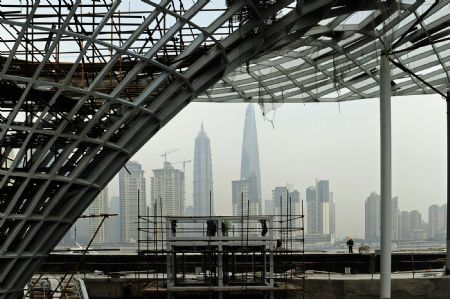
{"x": 131, "y": 180}
{"x": 203, "y": 181}
{"x": 250, "y": 154}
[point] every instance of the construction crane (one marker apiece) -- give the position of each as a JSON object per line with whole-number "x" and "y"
{"x": 166, "y": 153}
{"x": 184, "y": 164}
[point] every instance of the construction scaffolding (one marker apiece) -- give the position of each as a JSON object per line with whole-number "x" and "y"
{"x": 222, "y": 256}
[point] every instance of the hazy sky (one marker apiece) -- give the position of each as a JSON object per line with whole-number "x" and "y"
{"x": 325, "y": 141}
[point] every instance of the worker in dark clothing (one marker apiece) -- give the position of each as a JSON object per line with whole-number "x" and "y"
{"x": 350, "y": 245}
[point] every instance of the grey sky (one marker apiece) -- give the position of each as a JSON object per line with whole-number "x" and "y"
{"x": 317, "y": 141}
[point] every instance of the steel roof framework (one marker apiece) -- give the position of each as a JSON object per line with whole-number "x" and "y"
{"x": 85, "y": 85}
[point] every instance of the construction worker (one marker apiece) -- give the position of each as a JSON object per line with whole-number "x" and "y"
{"x": 350, "y": 245}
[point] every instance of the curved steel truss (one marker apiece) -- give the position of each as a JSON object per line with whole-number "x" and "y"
{"x": 84, "y": 84}
{"x": 338, "y": 59}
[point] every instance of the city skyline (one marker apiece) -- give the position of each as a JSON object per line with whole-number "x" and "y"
{"x": 290, "y": 151}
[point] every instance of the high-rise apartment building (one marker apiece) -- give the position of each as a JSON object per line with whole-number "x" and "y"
{"x": 325, "y": 207}
{"x": 323, "y": 190}
{"x": 286, "y": 206}
{"x": 268, "y": 207}
{"x": 244, "y": 197}
{"x": 332, "y": 215}
{"x": 203, "y": 179}
{"x": 312, "y": 211}
{"x": 411, "y": 226}
{"x": 167, "y": 195}
{"x": 114, "y": 221}
{"x": 168, "y": 190}
{"x": 373, "y": 218}
{"x": 131, "y": 191}
{"x": 250, "y": 170}
{"x": 395, "y": 213}
{"x": 320, "y": 210}
{"x": 437, "y": 221}
{"x": 415, "y": 225}
{"x": 404, "y": 231}
{"x": 97, "y": 207}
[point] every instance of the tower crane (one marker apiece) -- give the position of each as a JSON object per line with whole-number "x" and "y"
{"x": 166, "y": 153}
{"x": 184, "y": 164}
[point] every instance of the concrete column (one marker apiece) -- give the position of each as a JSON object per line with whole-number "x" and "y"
{"x": 386, "y": 177}
{"x": 447, "y": 261}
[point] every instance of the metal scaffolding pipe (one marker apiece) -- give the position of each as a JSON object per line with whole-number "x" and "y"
{"x": 386, "y": 177}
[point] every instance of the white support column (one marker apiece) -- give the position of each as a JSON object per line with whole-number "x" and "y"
{"x": 386, "y": 177}
{"x": 447, "y": 261}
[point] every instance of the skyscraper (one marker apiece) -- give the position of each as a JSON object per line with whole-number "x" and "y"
{"x": 411, "y": 226}
{"x": 131, "y": 183}
{"x": 114, "y": 222}
{"x": 373, "y": 218}
{"x": 268, "y": 207}
{"x": 405, "y": 231}
{"x": 285, "y": 201}
{"x": 99, "y": 206}
{"x": 323, "y": 190}
{"x": 415, "y": 225}
{"x": 286, "y": 205}
{"x": 250, "y": 155}
{"x": 323, "y": 198}
{"x": 244, "y": 197}
{"x": 168, "y": 190}
{"x": 312, "y": 210}
{"x": 320, "y": 209}
{"x": 395, "y": 218}
{"x": 167, "y": 195}
{"x": 203, "y": 180}
{"x": 437, "y": 217}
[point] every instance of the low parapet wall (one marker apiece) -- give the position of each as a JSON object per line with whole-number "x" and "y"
{"x": 359, "y": 263}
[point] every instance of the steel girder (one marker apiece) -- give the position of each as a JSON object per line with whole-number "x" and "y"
{"x": 85, "y": 85}
{"x": 338, "y": 58}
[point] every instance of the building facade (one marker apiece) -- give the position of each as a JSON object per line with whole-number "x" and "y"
{"x": 203, "y": 179}
{"x": 312, "y": 208}
{"x": 167, "y": 195}
{"x": 114, "y": 221}
{"x": 411, "y": 226}
{"x": 373, "y": 218}
{"x": 320, "y": 211}
{"x": 132, "y": 190}
{"x": 286, "y": 208}
{"x": 97, "y": 207}
{"x": 437, "y": 222}
{"x": 168, "y": 190}
{"x": 250, "y": 170}
{"x": 323, "y": 198}
{"x": 244, "y": 198}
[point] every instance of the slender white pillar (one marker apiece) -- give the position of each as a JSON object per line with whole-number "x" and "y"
{"x": 447, "y": 261}
{"x": 386, "y": 178}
